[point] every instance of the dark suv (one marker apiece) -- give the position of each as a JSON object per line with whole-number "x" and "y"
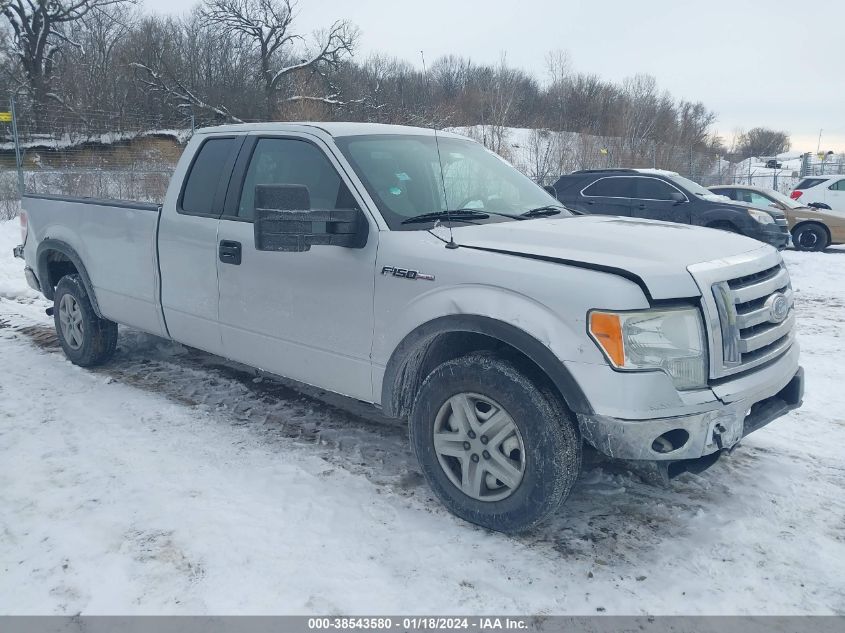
{"x": 664, "y": 195}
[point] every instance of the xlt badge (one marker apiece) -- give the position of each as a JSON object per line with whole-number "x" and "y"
{"x": 405, "y": 273}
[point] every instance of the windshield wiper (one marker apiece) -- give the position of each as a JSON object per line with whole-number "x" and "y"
{"x": 541, "y": 211}
{"x": 468, "y": 214}
{"x": 462, "y": 215}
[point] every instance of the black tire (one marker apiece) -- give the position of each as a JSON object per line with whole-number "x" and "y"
{"x": 97, "y": 341}
{"x": 552, "y": 443}
{"x": 810, "y": 237}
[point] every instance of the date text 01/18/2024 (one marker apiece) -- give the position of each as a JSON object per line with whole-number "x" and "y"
{"x": 430, "y": 623}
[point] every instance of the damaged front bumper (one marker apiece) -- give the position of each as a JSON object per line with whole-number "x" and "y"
{"x": 690, "y": 436}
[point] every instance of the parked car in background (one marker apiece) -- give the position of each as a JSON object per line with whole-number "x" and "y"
{"x": 828, "y": 192}
{"x": 812, "y": 229}
{"x": 665, "y": 195}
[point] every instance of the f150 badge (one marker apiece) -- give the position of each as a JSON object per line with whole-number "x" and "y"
{"x": 404, "y": 273}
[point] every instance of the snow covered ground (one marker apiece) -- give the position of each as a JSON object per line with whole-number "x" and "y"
{"x": 174, "y": 482}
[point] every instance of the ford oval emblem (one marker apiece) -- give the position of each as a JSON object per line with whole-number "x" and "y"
{"x": 778, "y": 307}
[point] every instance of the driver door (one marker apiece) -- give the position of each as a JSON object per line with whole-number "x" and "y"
{"x": 303, "y": 315}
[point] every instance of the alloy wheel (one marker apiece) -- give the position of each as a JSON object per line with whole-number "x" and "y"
{"x": 70, "y": 320}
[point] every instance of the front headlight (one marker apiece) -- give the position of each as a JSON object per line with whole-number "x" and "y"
{"x": 761, "y": 216}
{"x": 671, "y": 340}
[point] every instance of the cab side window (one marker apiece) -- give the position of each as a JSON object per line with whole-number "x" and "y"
{"x": 279, "y": 161}
{"x": 213, "y": 162}
{"x": 839, "y": 185}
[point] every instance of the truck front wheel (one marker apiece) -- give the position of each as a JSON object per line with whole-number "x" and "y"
{"x": 497, "y": 449}
{"x": 85, "y": 338}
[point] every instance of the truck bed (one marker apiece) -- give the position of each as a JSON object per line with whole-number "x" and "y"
{"x": 116, "y": 240}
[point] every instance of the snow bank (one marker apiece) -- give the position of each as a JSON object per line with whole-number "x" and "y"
{"x": 12, "y": 282}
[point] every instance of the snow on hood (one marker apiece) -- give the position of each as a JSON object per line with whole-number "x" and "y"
{"x": 657, "y": 252}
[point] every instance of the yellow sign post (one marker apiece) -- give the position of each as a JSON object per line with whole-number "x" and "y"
{"x": 5, "y": 117}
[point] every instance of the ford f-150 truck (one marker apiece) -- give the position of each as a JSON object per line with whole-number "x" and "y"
{"x": 417, "y": 271}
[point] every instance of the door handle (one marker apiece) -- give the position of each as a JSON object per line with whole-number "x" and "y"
{"x": 641, "y": 206}
{"x": 229, "y": 252}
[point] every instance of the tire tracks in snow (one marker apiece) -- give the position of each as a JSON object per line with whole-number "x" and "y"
{"x": 612, "y": 519}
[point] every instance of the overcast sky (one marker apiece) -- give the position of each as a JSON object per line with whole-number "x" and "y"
{"x": 774, "y": 63}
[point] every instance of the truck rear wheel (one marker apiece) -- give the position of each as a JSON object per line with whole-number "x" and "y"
{"x": 85, "y": 338}
{"x": 497, "y": 450}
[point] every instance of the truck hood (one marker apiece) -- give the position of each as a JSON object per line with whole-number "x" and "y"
{"x": 655, "y": 254}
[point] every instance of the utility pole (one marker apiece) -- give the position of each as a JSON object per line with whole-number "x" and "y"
{"x": 18, "y": 158}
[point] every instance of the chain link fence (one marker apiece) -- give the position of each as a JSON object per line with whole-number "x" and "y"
{"x": 126, "y": 155}
{"x": 87, "y": 153}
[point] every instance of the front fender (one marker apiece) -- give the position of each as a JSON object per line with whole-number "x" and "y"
{"x": 401, "y": 370}
{"x": 537, "y": 307}
{"x": 542, "y": 334}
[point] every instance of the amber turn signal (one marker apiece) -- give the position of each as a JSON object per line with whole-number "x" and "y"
{"x": 606, "y": 329}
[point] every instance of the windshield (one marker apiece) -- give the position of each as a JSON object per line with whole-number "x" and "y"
{"x": 693, "y": 187}
{"x": 785, "y": 200}
{"x": 406, "y": 176}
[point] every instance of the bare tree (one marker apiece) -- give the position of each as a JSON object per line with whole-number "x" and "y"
{"x": 39, "y": 33}
{"x": 501, "y": 92}
{"x": 761, "y": 141}
{"x": 559, "y": 69}
{"x": 265, "y": 26}
{"x": 173, "y": 88}
{"x": 639, "y": 110}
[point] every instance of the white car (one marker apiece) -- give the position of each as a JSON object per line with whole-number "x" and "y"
{"x": 826, "y": 192}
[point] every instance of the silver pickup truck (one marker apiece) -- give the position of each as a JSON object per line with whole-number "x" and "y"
{"x": 420, "y": 272}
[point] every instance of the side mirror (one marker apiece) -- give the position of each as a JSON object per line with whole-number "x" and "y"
{"x": 678, "y": 197}
{"x": 284, "y": 221}
{"x": 551, "y": 191}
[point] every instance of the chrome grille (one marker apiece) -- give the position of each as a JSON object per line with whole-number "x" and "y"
{"x": 749, "y": 306}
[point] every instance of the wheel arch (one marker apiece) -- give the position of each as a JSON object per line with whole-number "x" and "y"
{"x": 452, "y": 336}
{"x": 54, "y": 259}
{"x": 712, "y": 218}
